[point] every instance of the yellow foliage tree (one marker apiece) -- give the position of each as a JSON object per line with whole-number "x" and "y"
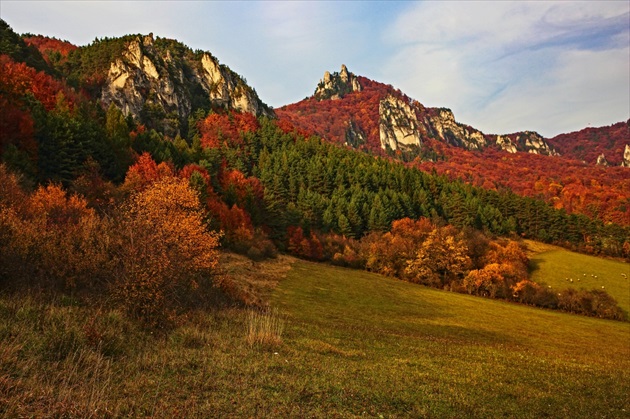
{"x": 442, "y": 259}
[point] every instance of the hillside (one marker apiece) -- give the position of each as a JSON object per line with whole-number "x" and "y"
{"x": 130, "y": 166}
{"x": 381, "y": 120}
{"x": 120, "y": 116}
{"x": 353, "y": 110}
{"x": 604, "y": 145}
{"x": 347, "y": 343}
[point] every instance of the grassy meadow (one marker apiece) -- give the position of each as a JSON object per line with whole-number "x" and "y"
{"x": 551, "y": 265}
{"x": 335, "y": 343}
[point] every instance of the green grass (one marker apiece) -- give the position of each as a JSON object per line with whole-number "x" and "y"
{"x": 557, "y": 267}
{"x": 418, "y": 351}
{"x": 353, "y": 344}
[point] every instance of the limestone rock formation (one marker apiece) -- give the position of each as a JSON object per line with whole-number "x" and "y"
{"x": 398, "y": 125}
{"x": 135, "y": 85}
{"x": 601, "y": 160}
{"x": 337, "y": 85}
{"x": 148, "y": 82}
{"x": 459, "y": 135}
{"x": 354, "y": 135}
{"x": 626, "y": 157}
{"x": 505, "y": 143}
{"x": 532, "y": 142}
{"x": 226, "y": 88}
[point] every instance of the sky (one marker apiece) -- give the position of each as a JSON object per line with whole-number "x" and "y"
{"x": 501, "y": 67}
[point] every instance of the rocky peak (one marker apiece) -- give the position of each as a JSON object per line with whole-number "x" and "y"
{"x": 443, "y": 125}
{"x": 337, "y": 85}
{"x": 505, "y": 143}
{"x": 601, "y": 160}
{"x": 227, "y": 88}
{"x": 135, "y": 72}
{"x": 534, "y": 143}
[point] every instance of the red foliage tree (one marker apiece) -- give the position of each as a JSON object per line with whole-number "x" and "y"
{"x": 217, "y": 129}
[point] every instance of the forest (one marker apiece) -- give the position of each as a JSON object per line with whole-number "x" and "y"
{"x": 93, "y": 200}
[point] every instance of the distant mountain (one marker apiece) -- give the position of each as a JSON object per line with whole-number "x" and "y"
{"x": 375, "y": 117}
{"x": 140, "y": 93}
{"x": 158, "y": 81}
{"x": 609, "y": 146}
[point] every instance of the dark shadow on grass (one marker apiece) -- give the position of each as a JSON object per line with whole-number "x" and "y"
{"x": 465, "y": 335}
{"x": 534, "y": 265}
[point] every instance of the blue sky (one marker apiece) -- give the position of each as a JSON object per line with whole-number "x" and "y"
{"x": 502, "y": 67}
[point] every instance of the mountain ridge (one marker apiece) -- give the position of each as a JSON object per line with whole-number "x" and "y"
{"x": 406, "y": 124}
{"x": 132, "y": 83}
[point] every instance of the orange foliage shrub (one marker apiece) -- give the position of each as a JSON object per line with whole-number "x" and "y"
{"x": 304, "y": 246}
{"x": 166, "y": 252}
{"x": 389, "y": 253}
{"x": 442, "y": 259}
{"x": 488, "y": 282}
{"x": 51, "y": 239}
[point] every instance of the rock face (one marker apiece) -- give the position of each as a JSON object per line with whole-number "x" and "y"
{"x": 626, "y": 157}
{"x": 403, "y": 123}
{"x": 532, "y": 142}
{"x": 398, "y": 125}
{"x": 444, "y": 126}
{"x": 134, "y": 83}
{"x": 151, "y": 82}
{"x": 226, "y": 88}
{"x": 505, "y": 143}
{"x": 601, "y": 160}
{"x": 337, "y": 85}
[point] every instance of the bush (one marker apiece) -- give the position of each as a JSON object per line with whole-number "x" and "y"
{"x": 166, "y": 253}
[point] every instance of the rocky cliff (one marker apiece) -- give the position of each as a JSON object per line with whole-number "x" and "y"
{"x": 626, "y": 157}
{"x": 443, "y": 125}
{"x": 404, "y": 124}
{"x": 160, "y": 80}
{"x": 398, "y": 125}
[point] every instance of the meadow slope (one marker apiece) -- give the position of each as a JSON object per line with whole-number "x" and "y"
{"x": 386, "y": 346}
{"x": 561, "y": 268}
{"x": 354, "y": 344}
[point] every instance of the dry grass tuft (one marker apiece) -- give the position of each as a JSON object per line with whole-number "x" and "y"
{"x": 264, "y": 328}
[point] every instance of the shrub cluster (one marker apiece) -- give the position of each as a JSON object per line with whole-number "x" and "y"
{"x": 151, "y": 255}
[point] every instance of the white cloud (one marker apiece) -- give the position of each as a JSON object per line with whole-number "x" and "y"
{"x": 508, "y": 66}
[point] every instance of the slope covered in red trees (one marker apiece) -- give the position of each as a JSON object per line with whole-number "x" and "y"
{"x": 52, "y": 49}
{"x": 599, "y": 192}
{"x": 330, "y": 119}
{"x": 587, "y": 144}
